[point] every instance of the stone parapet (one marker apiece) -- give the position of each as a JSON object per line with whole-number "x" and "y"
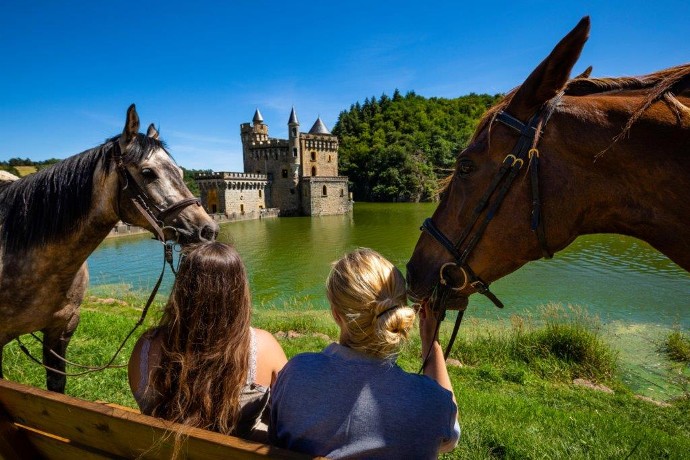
{"x": 230, "y": 175}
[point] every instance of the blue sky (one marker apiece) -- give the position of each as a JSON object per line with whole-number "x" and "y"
{"x": 199, "y": 69}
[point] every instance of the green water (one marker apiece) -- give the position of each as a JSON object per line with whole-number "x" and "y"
{"x": 617, "y": 278}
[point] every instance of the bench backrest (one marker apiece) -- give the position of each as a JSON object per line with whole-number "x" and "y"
{"x": 35, "y": 423}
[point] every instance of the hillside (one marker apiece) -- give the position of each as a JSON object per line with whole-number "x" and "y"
{"x": 396, "y": 148}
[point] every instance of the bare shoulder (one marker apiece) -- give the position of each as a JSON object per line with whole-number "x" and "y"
{"x": 133, "y": 368}
{"x": 266, "y": 341}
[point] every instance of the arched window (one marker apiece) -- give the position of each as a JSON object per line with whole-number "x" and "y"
{"x": 313, "y": 170}
{"x": 329, "y": 158}
{"x": 324, "y": 192}
{"x": 313, "y": 156}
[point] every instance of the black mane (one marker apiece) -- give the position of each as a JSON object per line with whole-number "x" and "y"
{"x": 52, "y": 203}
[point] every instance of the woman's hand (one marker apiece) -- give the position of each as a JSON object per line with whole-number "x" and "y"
{"x": 428, "y": 327}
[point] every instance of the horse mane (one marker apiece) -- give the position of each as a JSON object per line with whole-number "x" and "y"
{"x": 54, "y": 202}
{"x": 662, "y": 85}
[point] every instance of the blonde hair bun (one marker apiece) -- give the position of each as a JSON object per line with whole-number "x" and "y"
{"x": 369, "y": 294}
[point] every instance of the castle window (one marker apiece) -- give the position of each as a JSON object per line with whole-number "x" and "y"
{"x": 294, "y": 152}
{"x": 313, "y": 157}
{"x": 258, "y": 171}
{"x": 324, "y": 192}
{"x": 241, "y": 209}
{"x": 329, "y": 158}
{"x": 341, "y": 193}
{"x": 285, "y": 173}
{"x": 313, "y": 170}
{"x": 294, "y": 131}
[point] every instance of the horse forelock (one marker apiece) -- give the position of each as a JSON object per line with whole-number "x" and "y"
{"x": 52, "y": 203}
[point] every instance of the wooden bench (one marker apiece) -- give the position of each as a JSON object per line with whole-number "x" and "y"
{"x": 37, "y": 424}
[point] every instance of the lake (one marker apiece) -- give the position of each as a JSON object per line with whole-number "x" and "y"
{"x": 615, "y": 277}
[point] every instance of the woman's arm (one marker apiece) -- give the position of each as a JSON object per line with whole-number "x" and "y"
{"x": 435, "y": 365}
{"x": 436, "y": 369}
{"x": 270, "y": 357}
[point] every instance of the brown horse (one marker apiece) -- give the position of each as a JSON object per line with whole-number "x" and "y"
{"x": 52, "y": 220}
{"x": 558, "y": 158}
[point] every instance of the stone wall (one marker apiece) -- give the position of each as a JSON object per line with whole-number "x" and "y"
{"x": 324, "y": 196}
{"x": 226, "y": 192}
{"x": 319, "y": 154}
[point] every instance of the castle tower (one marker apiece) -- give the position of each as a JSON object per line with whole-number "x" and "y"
{"x": 319, "y": 150}
{"x": 252, "y": 136}
{"x": 293, "y": 136}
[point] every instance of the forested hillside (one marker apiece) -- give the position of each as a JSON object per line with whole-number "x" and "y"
{"x": 396, "y": 148}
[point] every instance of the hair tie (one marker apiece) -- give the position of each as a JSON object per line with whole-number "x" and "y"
{"x": 387, "y": 310}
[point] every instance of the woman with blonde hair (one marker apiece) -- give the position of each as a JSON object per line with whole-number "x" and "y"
{"x": 203, "y": 365}
{"x": 352, "y": 400}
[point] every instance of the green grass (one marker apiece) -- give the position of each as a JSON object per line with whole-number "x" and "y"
{"x": 513, "y": 382}
{"x": 677, "y": 347}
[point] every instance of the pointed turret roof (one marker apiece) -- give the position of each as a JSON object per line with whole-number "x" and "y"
{"x": 319, "y": 127}
{"x": 293, "y": 117}
{"x": 257, "y": 117}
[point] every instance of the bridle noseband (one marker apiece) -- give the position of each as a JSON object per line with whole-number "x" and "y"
{"x": 154, "y": 213}
{"x": 524, "y": 151}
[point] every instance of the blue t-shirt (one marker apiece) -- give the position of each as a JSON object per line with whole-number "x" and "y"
{"x": 341, "y": 403}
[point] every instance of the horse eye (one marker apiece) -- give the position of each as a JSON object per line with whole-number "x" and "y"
{"x": 465, "y": 167}
{"x": 148, "y": 173}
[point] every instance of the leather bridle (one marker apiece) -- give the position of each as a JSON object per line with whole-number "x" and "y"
{"x": 154, "y": 213}
{"x": 524, "y": 151}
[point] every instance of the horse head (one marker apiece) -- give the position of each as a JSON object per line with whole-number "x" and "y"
{"x": 480, "y": 232}
{"x": 152, "y": 193}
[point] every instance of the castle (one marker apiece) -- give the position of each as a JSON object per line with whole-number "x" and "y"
{"x": 288, "y": 177}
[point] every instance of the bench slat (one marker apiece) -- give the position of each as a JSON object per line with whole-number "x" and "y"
{"x": 14, "y": 444}
{"x": 52, "y": 447}
{"x": 118, "y": 432}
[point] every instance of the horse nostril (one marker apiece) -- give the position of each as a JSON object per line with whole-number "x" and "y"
{"x": 209, "y": 232}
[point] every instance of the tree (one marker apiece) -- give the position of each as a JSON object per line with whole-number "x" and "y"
{"x": 396, "y": 149}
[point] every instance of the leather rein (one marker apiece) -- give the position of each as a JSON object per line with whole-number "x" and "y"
{"x": 155, "y": 215}
{"x": 524, "y": 151}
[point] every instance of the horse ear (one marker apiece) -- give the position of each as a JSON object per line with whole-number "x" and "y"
{"x": 549, "y": 78}
{"x": 131, "y": 127}
{"x": 152, "y": 131}
{"x": 585, "y": 74}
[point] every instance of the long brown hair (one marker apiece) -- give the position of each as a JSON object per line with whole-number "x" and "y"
{"x": 206, "y": 338}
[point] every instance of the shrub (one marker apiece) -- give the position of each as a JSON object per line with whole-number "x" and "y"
{"x": 677, "y": 347}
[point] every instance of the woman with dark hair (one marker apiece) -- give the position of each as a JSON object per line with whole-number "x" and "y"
{"x": 204, "y": 365}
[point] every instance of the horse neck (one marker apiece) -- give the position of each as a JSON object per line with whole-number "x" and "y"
{"x": 635, "y": 186}
{"x": 70, "y": 251}
{"x": 102, "y": 217}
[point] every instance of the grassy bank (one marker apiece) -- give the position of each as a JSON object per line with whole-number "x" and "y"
{"x": 513, "y": 381}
